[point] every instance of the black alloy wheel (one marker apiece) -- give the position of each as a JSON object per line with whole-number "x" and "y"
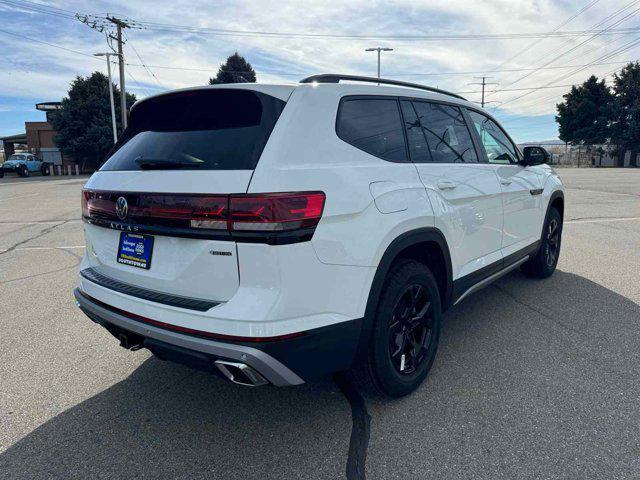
{"x": 406, "y": 330}
{"x": 543, "y": 263}
{"x": 552, "y": 245}
{"x": 410, "y": 331}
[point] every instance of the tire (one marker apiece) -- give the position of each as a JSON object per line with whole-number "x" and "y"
{"x": 1, "y": 173}
{"x": 45, "y": 169}
{"x": 543, "y": 264}
{"x": 406, "y": 330}
{"x": 23, "y": 171}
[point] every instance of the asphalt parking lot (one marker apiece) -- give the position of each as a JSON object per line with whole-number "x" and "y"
{"x": 534, "y": 379}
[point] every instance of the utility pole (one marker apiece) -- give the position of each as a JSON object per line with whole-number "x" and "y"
{"x": 484, "y": 83}
{"x": 123, "y": 92}
{"x": 113, "y": 107}
{"x": 105, "y": 25}
{"x": 379, "y": 49}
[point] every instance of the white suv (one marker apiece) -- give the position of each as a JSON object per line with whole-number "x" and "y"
{"x": 278, "y": 233}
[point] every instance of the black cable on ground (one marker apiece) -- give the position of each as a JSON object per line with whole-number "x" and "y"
{"x": 360, "y": 428}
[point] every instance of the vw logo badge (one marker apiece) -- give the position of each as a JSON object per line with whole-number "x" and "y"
{"x": 122, "y": 208}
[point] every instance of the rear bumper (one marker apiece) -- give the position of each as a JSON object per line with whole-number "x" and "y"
{"x": 282, "y": 363}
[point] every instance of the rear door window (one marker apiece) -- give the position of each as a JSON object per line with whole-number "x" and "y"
{"x": 440, "y": 129}
{"x": 211, "y": 129}
{"x": 373, "y": 125}
{"x": 416, "y": 134}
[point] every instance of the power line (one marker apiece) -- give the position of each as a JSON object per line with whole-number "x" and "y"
{"x": 398, "y": 74}
{"x": 282, "y": 73}
{"x": 596, "y": 25}
{"x": 106, "y": 25}
{"x": 334, "y": 36}
{"x": 619, "y": 50}
{"x": 515, "y": 89}
{"x": 484, "y": 84}
{"x": 32, "y": 4}
{"x": 552, "y": 97}
{"x": 151, "y": 74}
{"x": 529, "y": 89}
{"x": 545, "y": 99}
{"x": 533, "y": 44}
{"x": 583, "y": 42}
{"x": 139, "y": 85}
{"x": 39, "y": 8}
{"x": 50, "y": 10}
{"x": 48, "y": 43}
{"x": 613, "y": 15}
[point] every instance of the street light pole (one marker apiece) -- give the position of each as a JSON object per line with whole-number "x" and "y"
{"x": 379, "y": 49}
{"x": 113, "y": 107}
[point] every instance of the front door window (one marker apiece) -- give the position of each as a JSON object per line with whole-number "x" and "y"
{"x": 499, "y": 148}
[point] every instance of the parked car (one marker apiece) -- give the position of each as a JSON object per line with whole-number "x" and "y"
{"x": 24, "y": 164}
{"x": 278, "y": 233}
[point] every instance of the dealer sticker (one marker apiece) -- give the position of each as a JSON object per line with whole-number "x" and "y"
{"x": 135, "y": 250}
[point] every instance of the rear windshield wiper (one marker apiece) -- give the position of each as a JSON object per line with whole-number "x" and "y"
{"x": 147, "y": 163}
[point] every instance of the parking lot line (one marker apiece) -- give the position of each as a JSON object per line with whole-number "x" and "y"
{"x": 602, "y": 220}
{"x": 42, "y": 222}
{"x": 69, "y": 247}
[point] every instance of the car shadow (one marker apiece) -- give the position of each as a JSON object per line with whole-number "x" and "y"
{"x": 533, "y": 379}
{"x": 499, "y": 350}
{"x": 168, "y": 421}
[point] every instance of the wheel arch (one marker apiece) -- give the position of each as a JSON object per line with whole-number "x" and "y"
{"x": 556, "y": 200}
{"x": 427, "y": 245}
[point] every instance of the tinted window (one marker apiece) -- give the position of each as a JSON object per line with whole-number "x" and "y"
{"x": 444, "y": 131}
{"x": 217, "y": 129}
{"x": 496, "y": 143}
{"x": 373, "y": 125}
{"x": 416, "y": 135}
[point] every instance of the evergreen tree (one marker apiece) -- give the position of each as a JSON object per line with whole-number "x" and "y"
{"x": 83, "y": 123}
{"x": 235, "y": 70}
{"x": 625, "y": 131}
{"x": 585, "y": 115}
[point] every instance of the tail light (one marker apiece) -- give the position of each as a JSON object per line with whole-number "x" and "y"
{"x": 273, "y": 218}
{"x": 275, "y": 212}
{"x": 85, "y": 203}
{"x": 208, "y": 212}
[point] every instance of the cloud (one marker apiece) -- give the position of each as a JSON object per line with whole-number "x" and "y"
{"x": 36, "y": 70}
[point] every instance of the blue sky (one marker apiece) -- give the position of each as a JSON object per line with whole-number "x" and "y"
{"x": 33, "y": 72}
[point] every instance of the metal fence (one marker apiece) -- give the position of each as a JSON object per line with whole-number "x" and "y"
{"x": 585, "y": 155}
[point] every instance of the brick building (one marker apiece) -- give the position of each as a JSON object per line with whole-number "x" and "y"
{"x": 38, "y": 138}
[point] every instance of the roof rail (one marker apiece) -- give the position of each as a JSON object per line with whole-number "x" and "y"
{"x": 335, "y": 78}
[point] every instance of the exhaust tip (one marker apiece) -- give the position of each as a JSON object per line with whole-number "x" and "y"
{"x": 240, "y": 373}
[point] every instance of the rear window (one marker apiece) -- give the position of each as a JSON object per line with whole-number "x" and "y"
{"x": 373, "y": 125}
{"x": 216, "y": 129}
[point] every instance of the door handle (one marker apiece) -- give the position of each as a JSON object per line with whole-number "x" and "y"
{"x": 505, "y": 182}
{"x": 446, "y": 185}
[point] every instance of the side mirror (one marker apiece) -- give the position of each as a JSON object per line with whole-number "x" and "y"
{"x": 535, "y": 156}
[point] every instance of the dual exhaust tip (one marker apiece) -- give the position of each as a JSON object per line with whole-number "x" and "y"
{"x": 240, "y": 373}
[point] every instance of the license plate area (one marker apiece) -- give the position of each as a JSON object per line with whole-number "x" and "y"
{"x": 135, "y": 250}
